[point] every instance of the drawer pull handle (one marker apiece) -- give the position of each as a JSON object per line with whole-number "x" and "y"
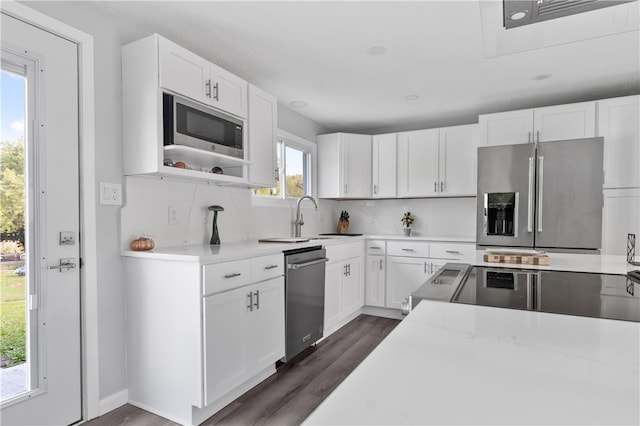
{"x": 453, "y": 252}
{"x": 375, "y": 248}
{"x": 235, "y": 274}
{"x": 409, "y": 250}
{"x": 270, "y": 267}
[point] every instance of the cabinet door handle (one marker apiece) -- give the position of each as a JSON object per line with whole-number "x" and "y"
{"x": 233, "y": 275}
{"x": 441, "y": 186}
{"x": 277, "y": 174}
{"x": 270, "y": 267}
{"x": 381, "y": 264}
{"x": 346, "y": 188}
{"x": 537, "y": 135}
{"x": 528, "y": 137}
{"x": 257, "y": 304}
{"x": 250, "y": 305}
{"x": 208, "y": 91}
{"x": 435, "y": 186}
{"x": 375, "y": 189}
{"x": 215, "y": 92}
{"x": 425, "y": 267}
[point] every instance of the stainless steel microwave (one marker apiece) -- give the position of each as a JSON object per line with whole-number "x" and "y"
{"x": 197, "y": 126}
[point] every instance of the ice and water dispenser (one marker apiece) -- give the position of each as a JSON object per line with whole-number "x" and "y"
{"x": 500, "y": 209}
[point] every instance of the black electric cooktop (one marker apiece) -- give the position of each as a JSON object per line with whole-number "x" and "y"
{"x": 571, "y": 293}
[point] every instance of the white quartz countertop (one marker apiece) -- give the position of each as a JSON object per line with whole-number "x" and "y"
{"x": 461, "y": 364}
{"x": 204, "y": 253}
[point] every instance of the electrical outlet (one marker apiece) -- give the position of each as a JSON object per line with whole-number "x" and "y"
{"x": 173, "y": 215}
{"x": 111, "y": 194}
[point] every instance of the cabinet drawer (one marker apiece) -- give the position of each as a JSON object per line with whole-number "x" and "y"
{"x": 224, "y": 276}
{"x": 456, "y": 251}
{"x": 266, "y": 267}
{"x": 344, "y": 251}
{"x": 376, "y": 247}
{"x": 408, "y": 248}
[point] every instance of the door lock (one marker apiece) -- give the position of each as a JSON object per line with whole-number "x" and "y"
{"x": 65, "y": 265}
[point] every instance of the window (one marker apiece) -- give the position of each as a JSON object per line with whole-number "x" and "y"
{"x": 294, "y": 160}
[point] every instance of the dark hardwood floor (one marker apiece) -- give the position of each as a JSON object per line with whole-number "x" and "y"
{"x": 294, "y": 391}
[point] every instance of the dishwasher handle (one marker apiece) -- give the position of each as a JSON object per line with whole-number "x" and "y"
{"x": 305, "y": 264}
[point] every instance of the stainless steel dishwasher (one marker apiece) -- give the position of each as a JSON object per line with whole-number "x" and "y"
{"x": 304, "y": 298}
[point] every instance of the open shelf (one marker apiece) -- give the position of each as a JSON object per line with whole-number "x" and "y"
{"x": 200, "y": 162}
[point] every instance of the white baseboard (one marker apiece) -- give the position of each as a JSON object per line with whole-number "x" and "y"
{"x": 113, "y": 401}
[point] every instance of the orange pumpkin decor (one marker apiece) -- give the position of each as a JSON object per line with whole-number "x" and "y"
{"x": 141, "y": 244}
{"x": 180, "y": 165}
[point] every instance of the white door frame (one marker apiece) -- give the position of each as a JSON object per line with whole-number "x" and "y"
{"x": 88, "y": 236}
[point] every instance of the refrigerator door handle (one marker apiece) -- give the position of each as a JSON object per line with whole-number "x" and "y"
{"x": 540, "y": 187}
{"x": 530, "y": 206}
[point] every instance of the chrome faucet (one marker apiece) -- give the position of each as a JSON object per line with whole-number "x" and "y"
{"x": 299, "y": 221}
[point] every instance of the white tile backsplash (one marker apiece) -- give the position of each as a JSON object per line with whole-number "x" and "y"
{"x": 147, "y": 201}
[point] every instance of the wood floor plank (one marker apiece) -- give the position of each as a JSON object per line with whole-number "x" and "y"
{"x": 294, "y": 391}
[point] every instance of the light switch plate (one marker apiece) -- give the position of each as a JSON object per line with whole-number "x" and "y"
{"x": 110, "y": 194}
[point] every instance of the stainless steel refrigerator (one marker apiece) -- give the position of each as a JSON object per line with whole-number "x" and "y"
{"x": 545, "y": 196}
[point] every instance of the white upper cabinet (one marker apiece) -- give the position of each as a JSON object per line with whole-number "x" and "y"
{"x": 619, "y": 125}
{"x": 418, "y": 163}
{"x": 344, "y": 166}
{"x": 458, "y": 160}
{"x": 571, "y": 121}
{"x": 384, "y": 169}
{"x": 438, "y": 162}
{"x": 263, "y": 123}
{"x": 506, "y": 128}
{"x": 182, "y": 71}
{"x": 186, "y": 73}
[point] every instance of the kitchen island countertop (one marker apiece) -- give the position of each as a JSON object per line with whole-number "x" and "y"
{"x": 463, "y": 364}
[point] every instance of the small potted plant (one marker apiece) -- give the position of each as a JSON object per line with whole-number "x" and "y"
{"x": 407, "y": 220}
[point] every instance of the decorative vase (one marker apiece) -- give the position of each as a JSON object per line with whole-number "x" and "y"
{"x": 407, "y": 232}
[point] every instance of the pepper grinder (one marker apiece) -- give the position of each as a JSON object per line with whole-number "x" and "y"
{"x": 215, "y": 237}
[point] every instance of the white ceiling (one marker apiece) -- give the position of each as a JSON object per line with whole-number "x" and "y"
{"x": 454, "y": 55}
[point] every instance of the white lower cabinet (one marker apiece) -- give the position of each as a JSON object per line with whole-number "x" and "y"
{"x": 374, "y": 292}
{"x": 243, "y": 335}
{"x": 411, "y": 263}
{"x": 344, "y": 285}
{"x": 404, "y": 275}
{"x": 621, "y": 216}
{"x": 201, "y": 335}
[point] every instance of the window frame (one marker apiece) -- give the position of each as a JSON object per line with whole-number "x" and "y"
{"x": 299, "y": 143}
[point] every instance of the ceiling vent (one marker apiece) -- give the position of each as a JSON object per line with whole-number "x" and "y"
{"x": 524, "y": 12}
